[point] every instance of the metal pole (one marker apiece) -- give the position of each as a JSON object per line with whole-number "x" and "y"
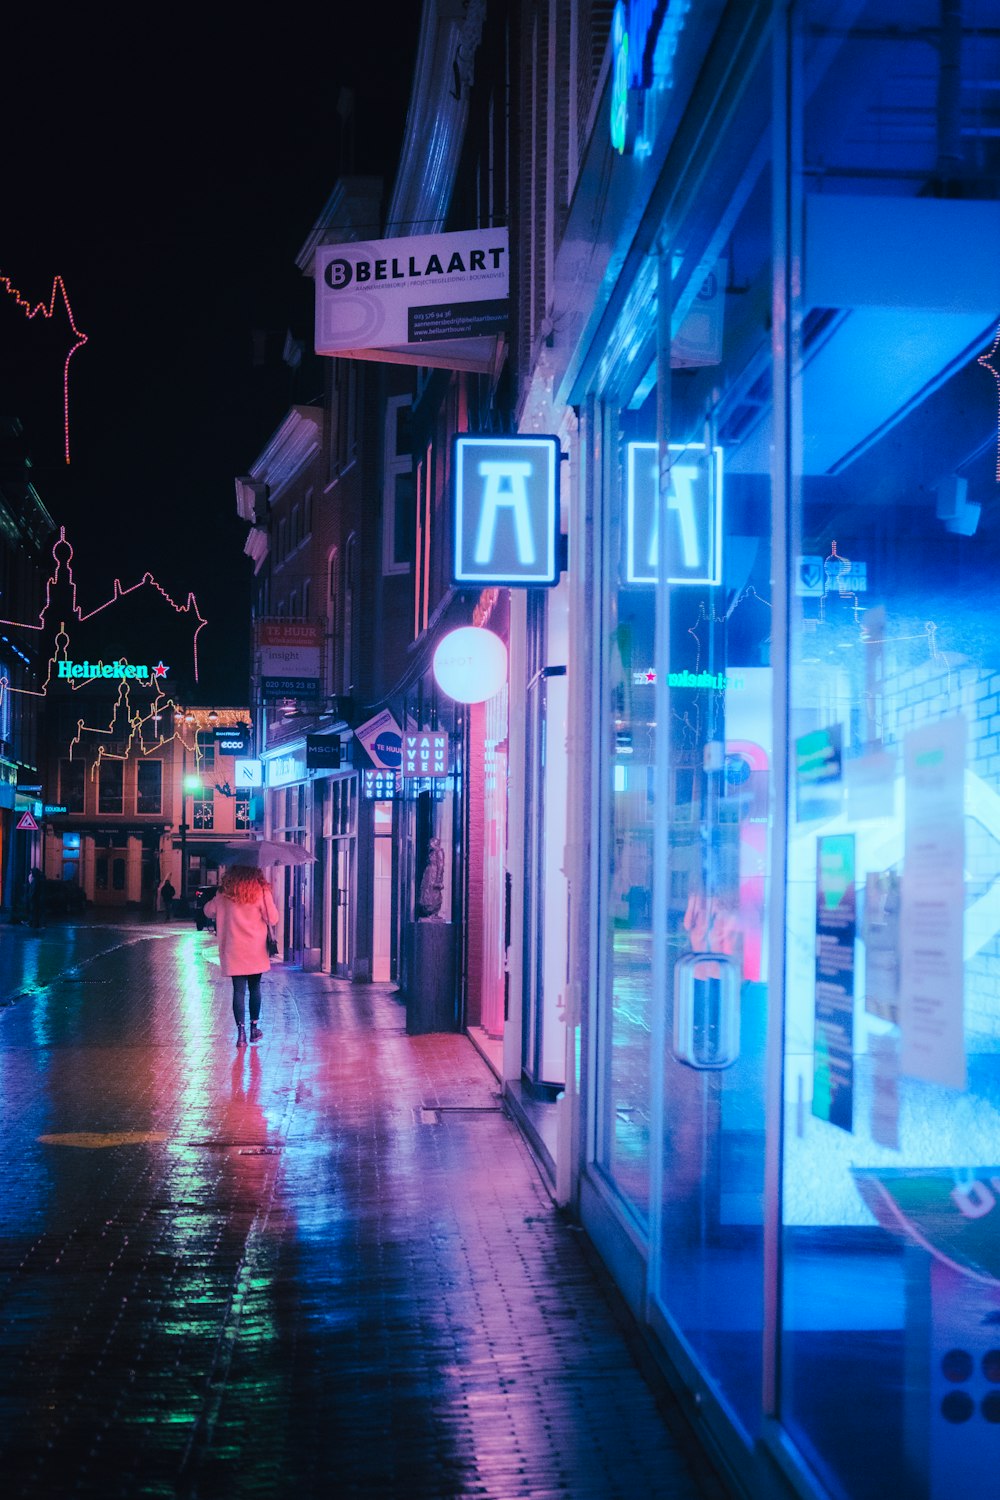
{"x": 184, "y": 827}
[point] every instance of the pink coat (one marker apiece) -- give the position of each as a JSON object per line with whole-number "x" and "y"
{"x": 242, "y": 931}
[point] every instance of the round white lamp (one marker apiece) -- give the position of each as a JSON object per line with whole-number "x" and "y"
{"x": 470, "y": 664}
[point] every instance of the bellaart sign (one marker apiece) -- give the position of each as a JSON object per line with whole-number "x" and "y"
{"x": 432, "y": 299}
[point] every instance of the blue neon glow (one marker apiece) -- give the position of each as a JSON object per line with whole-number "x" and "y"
{"x": 505, "y": 489}
{"x": 506, "y": 517}
{"x": 695, "y": 499}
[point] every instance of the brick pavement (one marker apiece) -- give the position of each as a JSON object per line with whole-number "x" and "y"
{"x": 325, "y": 1266}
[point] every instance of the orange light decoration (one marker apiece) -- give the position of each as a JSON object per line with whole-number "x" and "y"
{"x": 135, "y": 740}
{"x": 31, "y": 311}
{"x": 985, "y": 361}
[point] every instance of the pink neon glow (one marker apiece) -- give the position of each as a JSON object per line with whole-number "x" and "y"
{"x": 137, "y": 720}
{"x": 984, "y": 359}
{"x": 31, "y": 310}
{"x": 147, "y": 579}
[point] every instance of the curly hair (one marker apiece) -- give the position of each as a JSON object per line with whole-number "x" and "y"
{"x": 243, "y": 883}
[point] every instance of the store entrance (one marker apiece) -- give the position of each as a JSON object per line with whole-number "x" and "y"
{"x": 110, "y": 870}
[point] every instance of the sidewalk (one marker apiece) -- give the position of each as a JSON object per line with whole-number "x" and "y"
{"x": 323, "y": 1266}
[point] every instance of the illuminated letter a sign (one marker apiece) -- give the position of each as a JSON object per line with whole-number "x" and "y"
{"x": 506, "y": 511}
{"x": 693, "y": 512}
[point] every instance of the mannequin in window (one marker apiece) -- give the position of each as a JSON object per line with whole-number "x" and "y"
{"x": 432, "y": 882}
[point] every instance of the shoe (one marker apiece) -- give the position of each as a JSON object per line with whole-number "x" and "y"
{"x": 241, "y": 1036}
{"x": 255, "y": 1032}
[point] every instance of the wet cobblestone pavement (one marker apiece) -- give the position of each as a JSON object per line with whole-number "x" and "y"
{"x": 322, "y": 1266}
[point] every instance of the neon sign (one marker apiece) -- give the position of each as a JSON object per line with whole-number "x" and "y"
{"x": 140, "y": 728}
{"x": 619, "y": 78}
{"x": 61, "y": 604}
{"x": 644, "y": 37}
{"x": 694, "y": 505}
{"x": 506, "y": 511}
{"x": 88, "y": 669}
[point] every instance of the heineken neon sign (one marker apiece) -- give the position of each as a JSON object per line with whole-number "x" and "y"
{"x": 115, "y": 669}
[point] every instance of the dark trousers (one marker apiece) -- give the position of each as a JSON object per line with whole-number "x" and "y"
{"x": 240, "y": 982}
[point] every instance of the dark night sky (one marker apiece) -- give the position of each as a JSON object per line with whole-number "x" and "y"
{"x": 169, "y": 167}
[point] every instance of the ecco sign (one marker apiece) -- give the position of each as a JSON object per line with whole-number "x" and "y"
{"x": 235, "y": 741}
{"x": 506, "y": 511}
{"x": 694, "y": 512}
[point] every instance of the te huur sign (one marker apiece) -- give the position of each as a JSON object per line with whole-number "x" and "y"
{"x": 506, "y": 512}
{"x": 425, "y": 753}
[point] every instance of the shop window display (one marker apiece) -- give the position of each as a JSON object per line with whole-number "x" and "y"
{"x": 891, "y": 1279}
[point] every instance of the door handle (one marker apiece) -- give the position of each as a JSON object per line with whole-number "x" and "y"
{"x": 706, "y": 1010}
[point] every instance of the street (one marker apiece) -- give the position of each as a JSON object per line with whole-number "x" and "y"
{"x": 323, "y": 1265}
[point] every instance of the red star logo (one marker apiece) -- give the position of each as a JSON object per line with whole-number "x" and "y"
{"x": 160, "y": 670}
{"x": 650, "y": 675}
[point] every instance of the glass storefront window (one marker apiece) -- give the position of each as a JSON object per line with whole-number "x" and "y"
{"x": 627, "y": 764}
{"x": 708, "y": 460}
{"x": 109, "y": 786}
{"x": 890, "y": 1354}
{"x": 546, "y": 895}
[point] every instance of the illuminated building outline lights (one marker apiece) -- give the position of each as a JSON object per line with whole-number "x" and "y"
{"x": 136, "y": 719}
{"x": 62, "y": 639}
{"x": 985, "y": 360}
{"x": 31, "y": 311}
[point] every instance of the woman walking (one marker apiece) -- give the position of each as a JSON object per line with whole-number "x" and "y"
{"x": 244, "y": 910}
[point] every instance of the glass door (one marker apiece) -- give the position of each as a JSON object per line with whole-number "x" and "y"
{"x": 697, "y": 467}
{"x": 890, "y": 1345}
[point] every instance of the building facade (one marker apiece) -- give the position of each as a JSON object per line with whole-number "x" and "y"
{"x": 709, "y": 878}
{"x": 762, "y": 320}
{"x": 126, "y": 786}
{"x": 329, "y": 502}
{"x": 26, "y": 534}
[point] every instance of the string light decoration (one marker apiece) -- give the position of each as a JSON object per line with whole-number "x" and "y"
{"x": 31, "y": 311}
{"x": 131, "y": 725}
{"x": 140, "y": 728}
{"x": 987, "y": 360}
{"x": 62, "y": 553}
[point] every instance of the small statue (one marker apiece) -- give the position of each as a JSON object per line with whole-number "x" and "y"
{"x": 432, "y": 881}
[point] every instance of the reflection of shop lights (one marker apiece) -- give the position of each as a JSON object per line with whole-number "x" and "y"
{"x": 694, "y": 498}
{"x": 621, "y": 779}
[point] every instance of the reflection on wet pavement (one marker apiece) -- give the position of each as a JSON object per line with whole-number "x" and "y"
{"x": 322, "y": 1265}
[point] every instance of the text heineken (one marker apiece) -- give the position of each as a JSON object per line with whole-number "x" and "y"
{"x": 101, "y": 669}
